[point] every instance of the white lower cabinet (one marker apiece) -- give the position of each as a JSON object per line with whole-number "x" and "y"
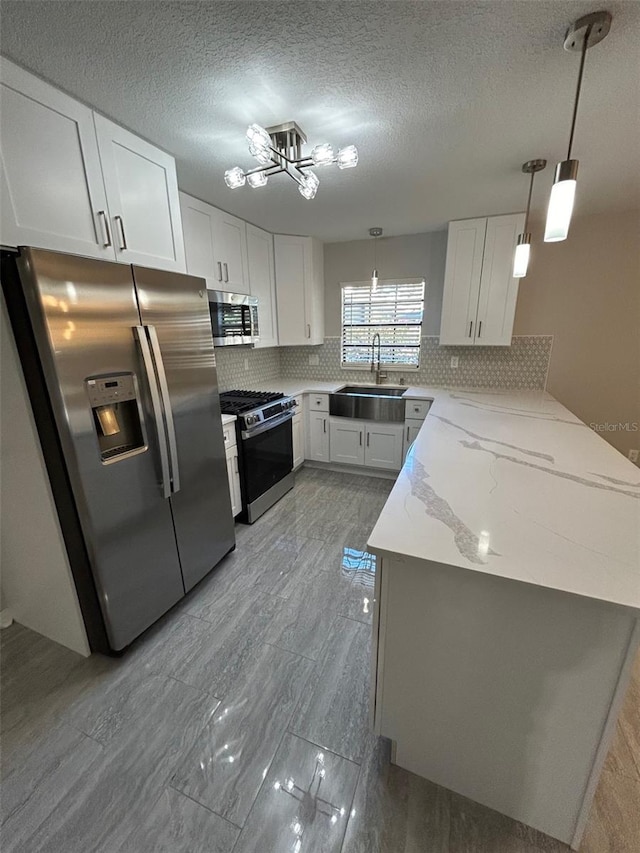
{"x": 376, "y": 445}
{"x": 234, "y": 479}
{"x": 318, "y": 436}
{"x": 411, "y": 430}
{"x": 297, "y": 426}
{"x": 383, "y": 446}
{"x": 346, "y": 441}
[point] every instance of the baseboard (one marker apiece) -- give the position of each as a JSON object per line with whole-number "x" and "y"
{"x": 361, "y": 470}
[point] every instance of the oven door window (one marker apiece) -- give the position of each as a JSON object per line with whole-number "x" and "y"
{"x": 230, "y": 321}
{"x": 266, "y": 459}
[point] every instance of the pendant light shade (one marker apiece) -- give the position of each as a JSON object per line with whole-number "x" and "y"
{"x": 560, "y": 208}
{"x": 581, "y": 35}
{"x": 523, "y": 247}
{"x": 375, "y": 233}
{"x": 521, "y": 257}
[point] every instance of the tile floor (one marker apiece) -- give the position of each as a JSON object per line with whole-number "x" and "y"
{"x": 239, "y": 722}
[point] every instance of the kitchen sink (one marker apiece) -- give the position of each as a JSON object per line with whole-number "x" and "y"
{"x": 372, "y": 390}
{"x": 368, "y": 403}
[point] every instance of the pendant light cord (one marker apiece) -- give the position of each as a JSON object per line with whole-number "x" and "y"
{"x": 585, "y": 45}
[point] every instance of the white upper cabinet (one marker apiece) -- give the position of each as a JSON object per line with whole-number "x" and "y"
{"x": 300, "y": 290}
{"x": 230, "y": 253}
{"x": 73, "y": 181}
{"x": 198, "y": 228}
{"x": 498, "y": 288}
{"x": 216, "y": 245}
{"x": 465, "y": 247}
{"x": 263, "y": 283}
{"x": 480, "y": 294}
{"x": 142, "y": 195}
{"x": 51, "y": 183}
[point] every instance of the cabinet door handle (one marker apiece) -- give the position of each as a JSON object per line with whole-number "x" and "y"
{"x": 219, "y": 271}
{"x": 235, "y": 463}
{"x": 470, "y": 327}
{"x": 360, "y": 438}
{"x": 324, "y": 424}
{"x": 105, "y": 225}
{"x": 123, "y": 238}
{"x": 368, "y": 437}
{"x": 308, "y": 330}
{"x": 479, "y": 328}
{"x": 226, "y": 272}
{"x": 408, "y": 428}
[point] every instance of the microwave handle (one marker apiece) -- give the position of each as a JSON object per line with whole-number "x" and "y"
{"x": 247, "y": 321}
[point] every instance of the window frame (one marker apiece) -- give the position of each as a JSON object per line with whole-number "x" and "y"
{"x": 388, "y": 366}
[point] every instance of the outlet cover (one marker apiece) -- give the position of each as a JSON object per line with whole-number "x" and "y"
{"x": 246, "y": 364}
{"x": 633, "y": 456}
{"x": 314, "y": 360}
{"x": 454, "y": 361}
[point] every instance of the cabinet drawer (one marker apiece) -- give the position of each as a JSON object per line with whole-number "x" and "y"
{"x": 318, "y": 402}
{"x": 417, "y": 409}
{"x": 229, "y": 434}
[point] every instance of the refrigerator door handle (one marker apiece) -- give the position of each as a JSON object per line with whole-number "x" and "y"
{"x": 141, "y": 336}
{"x": 168, "y": 411}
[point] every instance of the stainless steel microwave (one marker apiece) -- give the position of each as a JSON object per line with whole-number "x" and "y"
{"x": 234, "y": 318}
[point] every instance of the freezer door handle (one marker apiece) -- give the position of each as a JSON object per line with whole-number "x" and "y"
{"x": 141, "y": 335}
{"x": 166, "y": 404}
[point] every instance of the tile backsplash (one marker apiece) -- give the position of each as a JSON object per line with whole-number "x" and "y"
{"x": 262, "y": 366}
{"x": 523, "y": 365}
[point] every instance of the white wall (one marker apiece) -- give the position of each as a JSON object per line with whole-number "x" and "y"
{"x": 409, "y": 256}
{"x": 37, "y": 585}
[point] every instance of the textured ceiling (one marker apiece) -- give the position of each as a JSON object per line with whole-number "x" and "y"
{"x": 444, "y": 100}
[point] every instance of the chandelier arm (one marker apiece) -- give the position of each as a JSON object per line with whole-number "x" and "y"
{"x": 263, "y": 169}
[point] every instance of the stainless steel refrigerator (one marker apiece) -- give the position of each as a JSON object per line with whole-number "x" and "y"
{"x": 120, "y": 368}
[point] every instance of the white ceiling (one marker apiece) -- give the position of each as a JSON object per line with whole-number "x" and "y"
{"x": 445, "y": 100}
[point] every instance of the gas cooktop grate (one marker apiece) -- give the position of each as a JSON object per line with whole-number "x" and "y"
{"x": 239, "y": 401}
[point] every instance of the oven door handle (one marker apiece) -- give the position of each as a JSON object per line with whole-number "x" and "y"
{"x": 270, "y": 424}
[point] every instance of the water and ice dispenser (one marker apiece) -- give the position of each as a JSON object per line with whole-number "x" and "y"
{"x": 116, "y": 415}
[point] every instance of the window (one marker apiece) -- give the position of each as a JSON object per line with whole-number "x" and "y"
{"x": 394, "y": 311}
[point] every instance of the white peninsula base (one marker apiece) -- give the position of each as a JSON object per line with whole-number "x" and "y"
{"x": 503, "y": 691}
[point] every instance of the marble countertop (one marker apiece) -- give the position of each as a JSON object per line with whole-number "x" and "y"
{"x": 228, "y": 419}
{"x": 513, "y": 484}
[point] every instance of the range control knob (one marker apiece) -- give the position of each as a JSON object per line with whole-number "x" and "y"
{"x": 250, "y": 419}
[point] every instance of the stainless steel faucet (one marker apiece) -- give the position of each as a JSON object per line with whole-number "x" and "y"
{"x": 379, "y": 375}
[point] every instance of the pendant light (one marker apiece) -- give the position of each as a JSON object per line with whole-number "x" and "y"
{"x": 375, "y": 233}
{"x": 581, "y": 35}
{"x": 523, "y": 247}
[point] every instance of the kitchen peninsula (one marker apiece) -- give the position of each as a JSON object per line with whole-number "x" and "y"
{"x": 507, "y": 605}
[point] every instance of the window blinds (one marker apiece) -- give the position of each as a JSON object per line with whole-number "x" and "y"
{"x": 394, "y": 310}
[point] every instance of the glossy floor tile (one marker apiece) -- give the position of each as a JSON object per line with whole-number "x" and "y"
{"x": 394, "y": 810}
{"x": 187, "y": 743}
{"x": 304, "y": 803}
{"x": 176, "y": 824}
{"x": 334, "y": 710}
{"x": 227, "y": 765}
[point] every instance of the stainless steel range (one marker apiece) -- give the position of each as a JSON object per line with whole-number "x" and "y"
{"x": 265, "y": 445}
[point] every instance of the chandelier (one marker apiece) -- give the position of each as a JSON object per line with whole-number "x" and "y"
{"x": 279, "y": 149}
